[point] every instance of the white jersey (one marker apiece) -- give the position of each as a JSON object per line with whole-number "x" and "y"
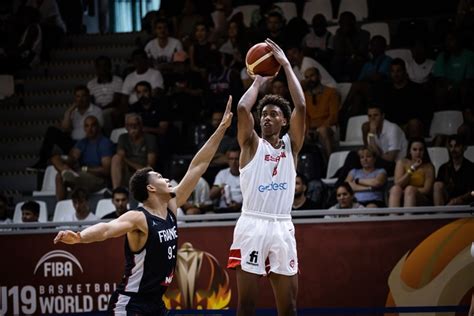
{"x": 268, "y": 180}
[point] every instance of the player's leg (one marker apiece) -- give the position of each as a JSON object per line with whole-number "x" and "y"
{"x": 285, "y": 289}
{"x": 247, "y": 288}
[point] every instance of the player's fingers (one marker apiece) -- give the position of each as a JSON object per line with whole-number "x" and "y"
{"x": 58, "y": 237}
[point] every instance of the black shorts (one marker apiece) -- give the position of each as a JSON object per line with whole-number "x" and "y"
{"x": 121, "y": 304}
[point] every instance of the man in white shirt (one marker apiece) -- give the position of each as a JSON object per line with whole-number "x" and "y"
{"x": 71, "y": 128}
{"x": 80, "y": 201}
{"x": 142, "y": 72}
{"x": 105, "y": 89}
{"x": 162, "y": 48}
{"x": 419, "y": 67}
{"x": 301, "y": 63}
{"x": 226, "y": 186}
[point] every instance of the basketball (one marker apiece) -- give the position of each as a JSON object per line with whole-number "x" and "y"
{"x": 260, "y": 61}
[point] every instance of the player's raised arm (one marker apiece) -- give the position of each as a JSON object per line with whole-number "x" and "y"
{"x": 298, "y": 117}
{"x": 201, "y": 160}
{"x": 128, "y": 222}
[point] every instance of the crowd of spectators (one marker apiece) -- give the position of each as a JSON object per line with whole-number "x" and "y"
{"x": 180, "y": 79}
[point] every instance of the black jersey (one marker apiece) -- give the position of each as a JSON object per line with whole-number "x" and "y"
{"x": 149, "y": 271}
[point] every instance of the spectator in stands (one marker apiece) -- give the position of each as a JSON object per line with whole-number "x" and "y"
{"x": 199, "y": 50}
{"x": 259, "y": 15}
{"x": 369, "y": 182}
{"x": 120, "y": 201}
{"x": 236, "y": 45}
{"x": 301, "y": 201}
{"x": 419, "y": 68}
{"x": 161, "y": 49}
{"x": 199, "y": 201}
{"x": 454, "y": 74}
{"x": 301, "y": 63}
{"x": 384, "y": 138}
{"x": 52, "y": 24}
{"x": 377, "y": 68}
{"x": 228, "y": 142}
{"x": 226, "y": 188}
{"x": 143, "y": 72}
{"x": 345, "y": 199}
{"x": 186, "y": 21}
{"x": 88, "y": 163}
{"x": 135, "y": 150}
{"x": 80, "y": 201}
{"x": 30, "y": 211}
{"x": 351, "y": 46}
{"x": 274, "y": 29}
{"x": 105, "y": 91}
{"x": 279, "y": 86}
{"x": 404, "y": 101}
{"x": 455, "y": 179}
{"x": 70, "y": 130}
{"x": 319, "y": 43}
{"x": 4, "y": 212}
{"x": 414, "y": 177}
{"x": 322, "y": 107}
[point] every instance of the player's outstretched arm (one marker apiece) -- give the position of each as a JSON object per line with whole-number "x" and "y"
{"x": 128, "y": 222}
{"x": 201, "y": 160}
{"x": 298, "y": 117}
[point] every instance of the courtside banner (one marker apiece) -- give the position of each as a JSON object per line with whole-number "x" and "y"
{"x": 352, "y": 264}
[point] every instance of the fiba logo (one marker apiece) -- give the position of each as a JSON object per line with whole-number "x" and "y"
{"x": 253, "y": 258}
{"x": 52, "y": 267}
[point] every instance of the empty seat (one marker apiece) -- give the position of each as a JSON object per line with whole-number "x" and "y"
{"x": 48, "y": 188}
{"x": 246, "y": 11}
{"x": 114, "y": 136}
{"x": 43, "y": 215}
{"x": 354, "y": 131}
{"x": 438, "y": 156}
{"x": 358, "y": 7}
{"x": 402, "y": 53}
{"x": 343, "y": 88}
{"x": 377, "y": 28}
{"x": 313, "y": 7}
{"x": 332, "y": 29}
{"x": 288, "y": 8}
{"x": 336, "y": 161}
{"x": 63, "y": 208}
{"x": 469, "y": 153}
{"x": 104, "y": 207}
{"x": 446, "y": 123}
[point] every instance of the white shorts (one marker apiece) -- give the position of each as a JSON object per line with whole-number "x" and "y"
{"x": 263, "y": 244}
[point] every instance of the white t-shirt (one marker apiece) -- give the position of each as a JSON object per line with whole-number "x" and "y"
{"x": 78, "y": 120}
{"x": 391, "y": 138}
{"x": 308, "y": 62}
{"x": 104, "y": 92}
{"x": 71, "y": 217}
{"x": 224, "y": 177}
{"x": 419, "y": 73}
{"x": 163, "y": 54}
{"x": 152, "y": 76}
{"x": 268, "y": 180}
{"x": 200, "y": 194}
{"x": 324, "y": 42}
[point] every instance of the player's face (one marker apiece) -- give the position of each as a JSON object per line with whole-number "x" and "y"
{"x": 272, "y": 120}
{"x": 162, "y": 185}
{"x": 344, "y": 198}
{"x": 120, "y": 201}
{"x": 28, "y": 216}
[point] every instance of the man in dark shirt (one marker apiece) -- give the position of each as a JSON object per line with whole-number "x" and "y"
{"x": 120, "y": 201}
{"x": 455, "y": 178}
{"x": 404, "y": 102}
{"x": 301, "y": 202}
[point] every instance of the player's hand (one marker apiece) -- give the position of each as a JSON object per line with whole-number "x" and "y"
{"x": 67, "y": 237}
{"x": 277, "y": 52}
{"x": 227, "y": 118}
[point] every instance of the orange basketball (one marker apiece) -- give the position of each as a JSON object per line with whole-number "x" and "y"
{"x": 260, "y": 61}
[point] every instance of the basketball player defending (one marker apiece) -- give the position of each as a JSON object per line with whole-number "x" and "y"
{"x": 151, "y": 235}
{"x": 264, "y": 236}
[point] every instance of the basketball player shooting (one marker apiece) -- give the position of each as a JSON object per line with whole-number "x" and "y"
{"x": 151, "y": 232}
{"x": 264, "y": 236}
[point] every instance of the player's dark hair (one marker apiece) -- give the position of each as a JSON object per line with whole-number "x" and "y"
{"x": 276, "y": 100}
{"x": 138, "y": 184}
